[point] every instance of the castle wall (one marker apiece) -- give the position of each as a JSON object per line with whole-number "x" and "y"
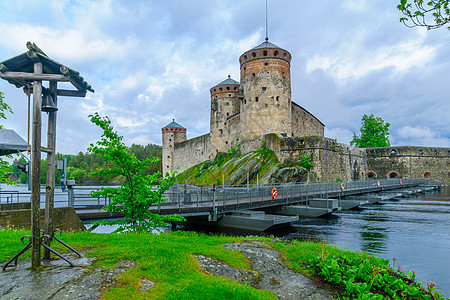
{"x": 191, "y": 152}
{"x": 304, "y": 123}
{"x": 331, "y": 160}
{"x": 266, "y": 84}
{"x": 233, "y": 127}
{"x": 170, "y": 137}
{"x": 410, "y": 161}
{"x": 168, "y": 145}
{"x": 224, "y": 103}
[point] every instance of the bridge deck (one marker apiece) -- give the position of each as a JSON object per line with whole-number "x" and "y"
{"x": 194, "y": 202}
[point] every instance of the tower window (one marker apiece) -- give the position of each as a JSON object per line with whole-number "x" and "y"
{"x": 276, "y": 53}
{"x": 235, "y": 88}
{"x": 221, "y": 131}
{"x": 245, "y": 57}
{"x": 228, "y": 114}
{"x": 228, "y": 88}
{"x": 229, "y": 95}
{"x": 227, "y": 103}
{"x": 256, "y": 99}
{"x": 263, "y": 89}
{"x": 253, "y": 74}
{"x": 265, "y": 52}
{"x": 220, "y": 89}
{"x": 253, "y": 54}
{"x": 267, "y": 105}
{"x": 214, "y": 90}
{"x": 266, "y": 63}
{"x": 245, "y": 101}
{"x": 278, "y": 98}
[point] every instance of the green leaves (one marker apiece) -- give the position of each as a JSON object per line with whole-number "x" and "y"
{"x": 374, "y": 133}
{"x": 4, "y": 165}
{"x": 363, "y": 276}
{"x": 431, "y": 14}
{"x": 139, "y": 191}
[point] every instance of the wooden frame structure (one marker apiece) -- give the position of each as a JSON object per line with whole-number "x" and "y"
{"x": 27, "y": 71}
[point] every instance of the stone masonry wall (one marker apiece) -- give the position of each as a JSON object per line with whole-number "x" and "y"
{"x": 304, "y": 123}
{"x": 191, "y": 152}
{"x": 331, "y": 160}
{"x": 233, "y": 126}
{"x": 266, "y": 89}
{"x": 224, "y": 103}
{"x": 410, "y": 161}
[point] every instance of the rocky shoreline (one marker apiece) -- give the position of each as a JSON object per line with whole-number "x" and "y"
{"x": 57, "y": 281}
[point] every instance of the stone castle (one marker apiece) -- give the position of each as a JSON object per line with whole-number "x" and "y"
{"x": 260, "y": 108}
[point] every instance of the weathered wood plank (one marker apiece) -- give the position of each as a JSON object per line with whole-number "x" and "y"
{"x": 71, "y": 93}
{"x": 33, "y": 47}
{"x": 36, "y": 171}
{"x": 50, "y": 180}
{"x": 65, "y": 93}
{"x": 3, "y": 68}
{"x": 33, "y": 56}
{"x": 66, "y": 72}
{"x": 33, "y": 77}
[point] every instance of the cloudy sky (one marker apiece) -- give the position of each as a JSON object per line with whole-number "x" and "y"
{"x": 151, "y": 61}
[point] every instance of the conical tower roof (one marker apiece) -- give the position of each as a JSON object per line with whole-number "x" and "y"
{"x": 267, "y": 44}
{"x": 173, "y": 124}
{"x": 229, "y": 80}
{"x": 229, "y": 85}
{"x": 265, "y": 50}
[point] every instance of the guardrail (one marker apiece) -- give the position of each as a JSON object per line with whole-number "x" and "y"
{"x": 185, "y": 198}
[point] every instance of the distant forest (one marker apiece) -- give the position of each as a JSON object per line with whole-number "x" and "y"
{"x": 78, "y": 166}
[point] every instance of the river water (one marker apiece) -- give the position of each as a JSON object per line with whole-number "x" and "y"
{"x": 415, "y": 229}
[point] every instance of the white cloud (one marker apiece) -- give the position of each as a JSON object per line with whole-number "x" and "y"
{"x": 351, "y": 61}
{"x": 415, "y": 132}
{"x": 421, "y": 136}
{"x": 342, "y": 135}
{"x": 355, "y": 5}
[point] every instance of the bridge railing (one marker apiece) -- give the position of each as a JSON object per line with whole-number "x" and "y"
{"x": 185, "y": 197}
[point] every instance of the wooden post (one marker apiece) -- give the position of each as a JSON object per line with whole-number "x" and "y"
{"x": 50, "y": 180}
{"x": 36, "y": 171}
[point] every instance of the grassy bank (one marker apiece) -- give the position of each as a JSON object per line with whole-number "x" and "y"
{"x": 167, "y": 259}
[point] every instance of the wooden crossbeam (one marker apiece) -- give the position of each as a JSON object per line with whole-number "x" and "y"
{"x": 33, "y": 77}
{"x": 62, "y": 92}
{"x": 71, "y": 93}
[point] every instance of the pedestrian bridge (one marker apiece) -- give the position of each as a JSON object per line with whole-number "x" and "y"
{"x": 253, "y": 208}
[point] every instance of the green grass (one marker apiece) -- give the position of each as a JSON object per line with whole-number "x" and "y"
{"x": 167, "y": 259}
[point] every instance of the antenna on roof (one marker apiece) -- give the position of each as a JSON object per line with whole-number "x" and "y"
{"x": 267, "y": 26}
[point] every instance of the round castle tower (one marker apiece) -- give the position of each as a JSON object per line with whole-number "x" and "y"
{"x": 172, "y": 134}
{"x": 224, "y": 104}
{"x": 266, "y": 89}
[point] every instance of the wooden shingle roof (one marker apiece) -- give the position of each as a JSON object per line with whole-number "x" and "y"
{"x": 25, "y": 63}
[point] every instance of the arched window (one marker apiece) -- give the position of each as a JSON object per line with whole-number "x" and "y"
{"x": 393, "y": 174}
{"x": 371, "y": 175}
{"x": 427, "y": 174}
